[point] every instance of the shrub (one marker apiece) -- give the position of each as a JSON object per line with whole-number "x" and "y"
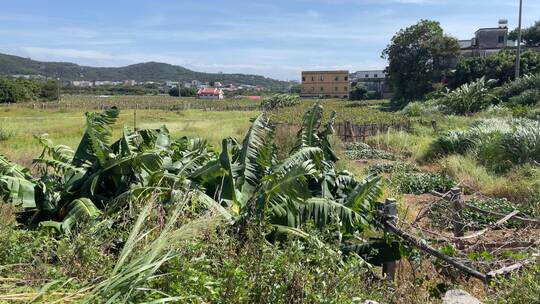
{"x": 527, "y": 97}
{"x": 361, "y": 150}
{"x": 496, "y": 143}
{"x": 469, "y": 98}
{"x": 224, "y": 271}
{"x": 419, "y": 109}
{"x": 518, "y": 87}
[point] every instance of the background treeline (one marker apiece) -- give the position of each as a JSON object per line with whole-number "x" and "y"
{"x": 17, "y": 90}
{"x": 424, "y": 62}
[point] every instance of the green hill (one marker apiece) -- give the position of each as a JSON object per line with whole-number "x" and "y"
{"x": 149, "y": 71}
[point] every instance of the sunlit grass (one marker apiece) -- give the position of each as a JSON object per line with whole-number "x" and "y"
{"x": 67, "y": 126}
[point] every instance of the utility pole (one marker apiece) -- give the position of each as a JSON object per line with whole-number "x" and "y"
{"x": 58, "y": 86}
{"x": 518, "y": 54}
{"x": 179, "y": 94}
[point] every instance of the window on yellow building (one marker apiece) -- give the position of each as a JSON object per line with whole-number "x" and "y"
{"x": 321, "y": 78}
{"x": 337, "y": 78}
{"x": 345, "y": 88}
{"x": 335, "y": 89}
{"x": 322, "y": 89}
{"x": 303, "y": 78}
{"x": 346, "y": 78}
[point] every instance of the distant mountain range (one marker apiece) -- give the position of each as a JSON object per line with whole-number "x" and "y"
{"x": 148, "y": 71}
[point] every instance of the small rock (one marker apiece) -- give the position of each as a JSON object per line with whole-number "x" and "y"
{"x": 371, "y": 302}
{"x": 458, "y": 296}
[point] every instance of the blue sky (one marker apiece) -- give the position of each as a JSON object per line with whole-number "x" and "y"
{"x": 272, "y": 38}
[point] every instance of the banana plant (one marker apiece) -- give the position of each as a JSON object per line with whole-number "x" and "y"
{"x": 303, "y": 187}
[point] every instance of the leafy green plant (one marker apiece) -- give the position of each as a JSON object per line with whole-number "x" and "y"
{"x": 419, "y": 183}
{"x": 376, "y": 169}
{"x": 523, "y": 91}
{"x": 361, "y": 150}
{"x": 469, "y": 98}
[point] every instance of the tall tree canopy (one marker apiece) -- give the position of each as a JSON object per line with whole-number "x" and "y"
{"x": 419, "y": 57}
{"x": 530, "y": 35}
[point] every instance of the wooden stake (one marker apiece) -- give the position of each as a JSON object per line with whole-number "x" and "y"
{"x": 457, "y": 221}
{"x": 390, "y": 209}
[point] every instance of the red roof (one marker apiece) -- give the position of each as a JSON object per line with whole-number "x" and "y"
{"x": 209, "y": 91}
{"x": 254, "y": 98}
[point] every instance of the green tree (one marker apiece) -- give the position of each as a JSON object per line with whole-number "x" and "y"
{"x": 419, "y": 57}
{"x": 11, "y": 91}
{"x": 185, "y": 92}
{"x": 499, "y": 66}
{"x": 49, "y": 90}
{"x": 530, "y": 35}
{"x": 358, "y": 92}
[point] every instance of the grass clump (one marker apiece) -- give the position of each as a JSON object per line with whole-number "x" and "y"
{"x": 497, "y": 143}
{"x": 361, "y": 150}
{"x": 6, "y": 133}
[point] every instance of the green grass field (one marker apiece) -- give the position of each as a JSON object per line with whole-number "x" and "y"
{"x": 66, "y": 127}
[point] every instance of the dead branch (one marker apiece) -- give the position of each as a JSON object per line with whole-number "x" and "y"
{"x": 535, "y": 222}
{"x": 422, "y": 245}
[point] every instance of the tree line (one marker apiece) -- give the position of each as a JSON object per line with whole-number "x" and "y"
{"x": 423, "y": 60}
{"x": 21, "y": 89}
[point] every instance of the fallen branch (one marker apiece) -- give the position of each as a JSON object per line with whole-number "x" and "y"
{"x": 507, "y": 269}
{"x": 531, "y": 221}
{"x": 498, "y": 223}
{"x": 422, "y": 245}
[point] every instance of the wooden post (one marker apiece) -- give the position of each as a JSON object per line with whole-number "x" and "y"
{"x": 135, "y": 117}
{"x": 457, "y": 222}
{"x": 390, "y": 208}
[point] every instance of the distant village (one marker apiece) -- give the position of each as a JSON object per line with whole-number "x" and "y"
{"x": 318, "y": 84}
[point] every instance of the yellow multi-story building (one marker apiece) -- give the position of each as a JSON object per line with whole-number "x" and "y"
{"x": 325, "y": 84}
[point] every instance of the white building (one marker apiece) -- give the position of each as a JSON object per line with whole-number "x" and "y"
{"x": 82, "y": 83}
{"x": 368, "y": 75}
{"x": 210, "y": 93}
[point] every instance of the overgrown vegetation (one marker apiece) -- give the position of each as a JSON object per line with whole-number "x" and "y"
{"x": 361, "y": 150}
{"x": 20, "y": 89}
{"x": 277, "y": 101}
{"x": 497, "y": 143}
{"x": 251, "y": 194}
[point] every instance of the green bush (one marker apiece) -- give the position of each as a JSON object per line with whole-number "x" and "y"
{"x": 223, "y": 270}
{"x": 420, "y": 109}
{"x": 517, "y": 87}
{"x": 527, "y": 97}
{"x": 497, "y": 143}
{"x": 469, "y": 98}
